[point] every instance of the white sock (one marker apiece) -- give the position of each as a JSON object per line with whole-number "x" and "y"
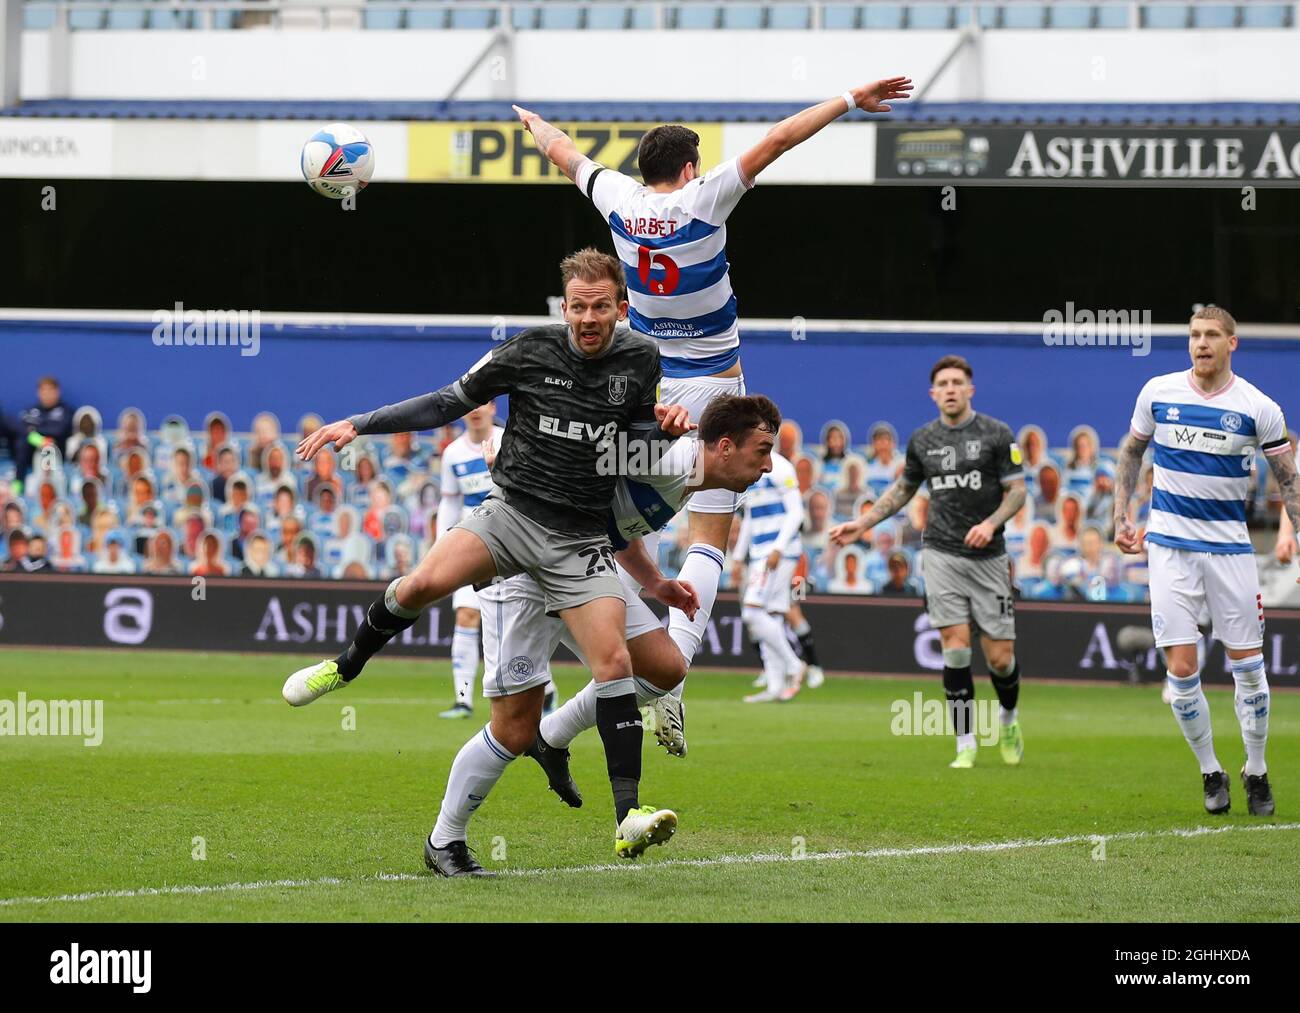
{"x": 1008, "y": 716}
{"x": 464, "y": 663}
{"x": 1187, "y": 699}
{"x": 965, "y": 741}
{"x": 1252, "y": 702}
{"x": 475, "y": 771}
{"x": 703, "y": 570}
{"x": 575, "y": 716}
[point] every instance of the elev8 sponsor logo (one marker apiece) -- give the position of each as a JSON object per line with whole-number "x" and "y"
{"x": 75, "y": 966}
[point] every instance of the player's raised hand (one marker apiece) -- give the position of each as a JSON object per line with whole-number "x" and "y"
{"x": 338, "y": 433}
{"x": 523, "y": 114}
{"x": 679, "y": 594}
{"x": 1126, "y": 537}
{"x": 874, "y": 97}
{"x": 846, "y": 533}
{"x": 980, "y": 535}
{"x": 674, "y": 419}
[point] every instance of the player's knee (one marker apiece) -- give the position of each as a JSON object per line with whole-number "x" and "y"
{"x": 1000, "y": 660}
{"x": 467, "y": 618}
{"x": 1181, "y": 668}
{"x": 613, "y": 664}
{"x": 515, "y": 732}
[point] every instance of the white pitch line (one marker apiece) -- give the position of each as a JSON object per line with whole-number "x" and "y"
{"x": 674, "y": 863}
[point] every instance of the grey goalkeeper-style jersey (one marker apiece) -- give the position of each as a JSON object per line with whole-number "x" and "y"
{"x": 566, "y": 409}
{"x": 965, "y": 469}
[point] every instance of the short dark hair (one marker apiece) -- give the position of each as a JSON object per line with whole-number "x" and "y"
{"x": 735, "y": 415}
{"x": 665, "y": 151}
{"x": 952, "y": 362}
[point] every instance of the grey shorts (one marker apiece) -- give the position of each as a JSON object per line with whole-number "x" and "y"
{"x": 959, "y": 590}
{"x": 571, "y": 570}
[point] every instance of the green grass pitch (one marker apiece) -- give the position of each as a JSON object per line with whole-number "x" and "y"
{"x": 301, "y": 818}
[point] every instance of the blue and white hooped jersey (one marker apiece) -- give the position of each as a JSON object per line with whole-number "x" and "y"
{"x": 645, "y": 504}
{"x": 464, "y": 472}
{"x": 674, "y": 252}
{"x": 774, "y": 512}
{"x": 1204, "y": 452}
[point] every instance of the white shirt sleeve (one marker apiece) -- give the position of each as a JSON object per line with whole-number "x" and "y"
{"x": 741, "y": 552}
{"x": 715, "y": 194}
{"x": 1143, "y": 423}
{"x": 793, "y": 501}
{"x": 449, "y": 506}
{"x": 1270, "y": 428}
{"x": 610, "y": 189}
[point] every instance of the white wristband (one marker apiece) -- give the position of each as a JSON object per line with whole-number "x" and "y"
{"x": 849, "y": 102}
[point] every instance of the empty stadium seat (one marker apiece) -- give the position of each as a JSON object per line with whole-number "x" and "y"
{"x": 607, "y": 17}
{"x": 1024, "y": 16}
{"x": 1070, "y": 15}
{"x": 642, "y": 16}
{"x": 790, "y": 17}
{"x": 841, "y": 16}
{"x": 988, "y": 16}
{"x": 83, "y": 20}
{"x": 471, "y": 17}
{"x": 1165, "y": 15}
{"x": 523, "y": 18}
{"x": 742, "y": 16}
{"x": 128, "y": 18}
{"x": 1214, "y": 16}
{"x": 882, "y": 16}
{"x": 930, "y": 16}
{"x": 1112, "y": 15}
{"x": 561, "y": 16}
{"x": 383, "y": 19}
{"x": 35, "y": 20}
{"x": 1266, "y": 16}
{"x": 695, "y": 16}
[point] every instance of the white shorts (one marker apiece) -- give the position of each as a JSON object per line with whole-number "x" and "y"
{"x": 518, "y": 636}
{"x": 465, "y": 598}
{"x": 770, "y": 589}
{"x": 1185, "y": 585}
{"x": 695, "y": 393}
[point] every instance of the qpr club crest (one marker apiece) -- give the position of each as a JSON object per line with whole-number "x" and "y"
{"x": 972, "y": 450}
{"x": 1231, "y": 421}
{"x": 617, "y": 389}
{"x": 520, "y": 668}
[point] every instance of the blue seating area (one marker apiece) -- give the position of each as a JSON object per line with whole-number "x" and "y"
{"x": 730, "y": 15}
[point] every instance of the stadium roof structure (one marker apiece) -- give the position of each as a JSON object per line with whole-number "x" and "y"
{"x": 1006, "y": 113}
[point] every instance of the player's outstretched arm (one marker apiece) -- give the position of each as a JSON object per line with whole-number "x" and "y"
{"x": 552, "y": 142}
{"x": 891, "y": 501}
{"x": 1284, "y": 470}
{"x": 1013, "y": 498}
{"x": 427, "y": 411}
{"x": 1126, "y": 474}
{"x": 635, "y": 559}
{"x": 1285, "y": 548}
{"x": 794, "y": 130}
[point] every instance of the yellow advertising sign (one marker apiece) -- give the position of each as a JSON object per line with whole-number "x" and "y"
{"x": 505, "y": 152}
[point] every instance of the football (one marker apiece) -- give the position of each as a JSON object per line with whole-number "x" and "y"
{"x": 338, "y": 160}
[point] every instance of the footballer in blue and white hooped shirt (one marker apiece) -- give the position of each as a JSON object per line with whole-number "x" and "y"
{"x": 670, "y": 233}
{"x": 466, "y": 482}
{"x": 1205, "y": 425}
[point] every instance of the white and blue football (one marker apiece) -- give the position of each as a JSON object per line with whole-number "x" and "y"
{"x": 337, "y": 161}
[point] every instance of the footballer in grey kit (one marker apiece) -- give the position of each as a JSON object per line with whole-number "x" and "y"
{"x": 574, "y": 389}
{"x": 971, "y": 468}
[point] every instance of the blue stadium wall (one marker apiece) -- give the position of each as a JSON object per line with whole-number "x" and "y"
{"x": 855, "y": 377}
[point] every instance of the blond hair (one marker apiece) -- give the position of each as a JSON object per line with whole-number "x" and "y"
{"x": 593, "y": 266}
{"x": 1219, "y": 315}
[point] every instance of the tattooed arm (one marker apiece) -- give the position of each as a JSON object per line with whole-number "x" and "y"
{"x": 553, "y": 142}
{"x": 1284, "y": 470}
{"x": 1126, "y": 475}
{"x": 1013, "y": 498}
{"x": 891, "y": 501}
